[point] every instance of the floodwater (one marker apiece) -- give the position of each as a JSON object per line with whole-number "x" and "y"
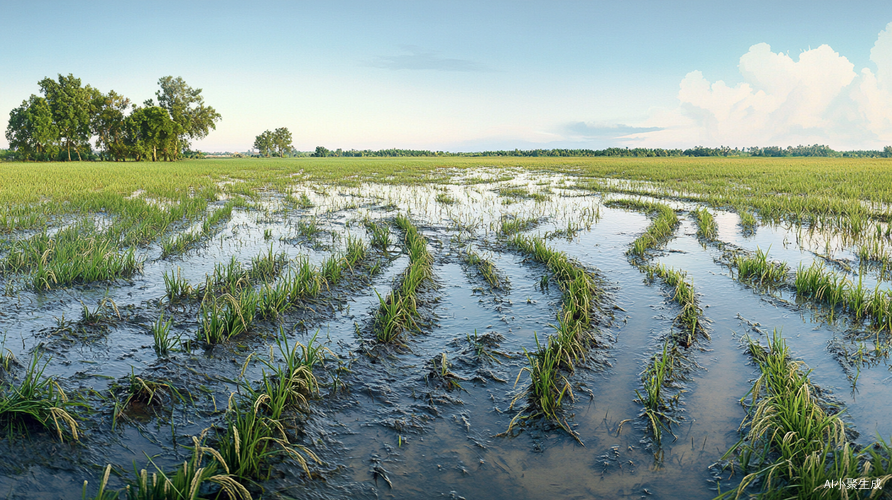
{"x": 390, "y": 427}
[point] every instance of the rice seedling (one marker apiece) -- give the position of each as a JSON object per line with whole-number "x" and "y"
{"x": 510, "y": 225}
{"x": 440, "y": 372}
{"x": 251, "y": 438}
{"x": 760, "y": 270}
{"x": 747, "y": 221}
{"x": 308, "y": 228}
{"x": 102, "y": 313}
{"x": 658, "y": 374}
{"x": 224, "y": 318}
{"x": 688, "y": 319}
{"x": 331, "y": 270}
{"x": 706, "y": 226}
{"x": 793, "y": 445}
{"x": 547, "y": 387}
{"x": 482, "y": 347}
{"x": 164, "y": 342}
{"x": 187, "y": 482}
{"x": 356, "y": 251}
{"x": 379, "y": 233}
{"x": 445, "y": 199}
{"x": 37, "y": 401}
{"x": 300, "y": 202}
{"x": 176, "y": 287}
{"x": 266, "y": 265}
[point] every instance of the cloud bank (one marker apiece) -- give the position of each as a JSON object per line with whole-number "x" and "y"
{"x": 419, "y": 59}
{"x": 818, "y": 98}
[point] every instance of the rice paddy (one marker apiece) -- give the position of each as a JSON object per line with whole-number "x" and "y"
{"x": 465, "y": 327}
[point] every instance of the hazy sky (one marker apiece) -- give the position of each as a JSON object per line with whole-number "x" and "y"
{"x": 481, "y": 75}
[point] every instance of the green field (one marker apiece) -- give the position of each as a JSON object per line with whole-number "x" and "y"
{"x": 365, "y": 326}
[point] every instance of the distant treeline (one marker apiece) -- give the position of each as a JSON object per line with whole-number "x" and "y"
{"x": 815, "y": 150}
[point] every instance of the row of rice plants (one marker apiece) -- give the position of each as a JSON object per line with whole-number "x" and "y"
{"x": 256, "y": 418}
{"x": 486, "y": 269}
{"x": 77, "y": 254}
{"x": 835, "y": 290}
{"x": 567, "y": 346}
{"x": 666, "y": 366}
{"x": 707, "y": 228}
{"x": 794, "y": 447}
{"x": 234, "y": 312}
{"x": 177, "y": 244}
{"x": 256, "y": 424}
{"x": 659, "y": 230}
{"x": 399, "y": 310}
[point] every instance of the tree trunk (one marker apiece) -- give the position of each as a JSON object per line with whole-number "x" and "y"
{"x": 154, "y": 153}
{"x": 68, "y": 146}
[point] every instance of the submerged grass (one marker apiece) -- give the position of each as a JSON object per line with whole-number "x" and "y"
{"x": 568, "y": 345}
{"x": 398, "y": 312}
{"x": 657, "y": 233}
{"x": 486, "y": 269}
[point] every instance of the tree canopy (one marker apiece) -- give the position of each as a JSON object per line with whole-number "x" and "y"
{"x": 276, "y": 142}
{"x": 69, "y": 115}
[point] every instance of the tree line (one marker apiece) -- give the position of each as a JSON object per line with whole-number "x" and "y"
{"x": 815, "y": 150}
{"x": 68, "y": 115}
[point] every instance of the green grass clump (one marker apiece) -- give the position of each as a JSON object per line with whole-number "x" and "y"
{"x": 486, "y": 269}
{"x": 77, "y": 254}
{"x": 747, "y": 221}
{"x": 267, "y": 265}
{"x": 658, "y": 232}
{"x": 187, "y": 482}
{"x": 793, "y": 446}
{"x": 180, "y": 243}
{"x": 37, "y": 400}
{"x": 398, "y": 311}
{"x": 255, "y": 429}
{"x": 760, "y": 270}
{"x": 380, "y": 234}
{"x": 510, "y": 225}
{"x": 836, "y": 291}
{"x": 660, "y": 372}
{"x": 706, "y": 225}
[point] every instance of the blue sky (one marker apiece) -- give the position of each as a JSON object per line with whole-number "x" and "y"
{"x": 481, "y": 75}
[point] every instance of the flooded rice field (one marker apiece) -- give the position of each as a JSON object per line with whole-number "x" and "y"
{"x": 444, "y": 347}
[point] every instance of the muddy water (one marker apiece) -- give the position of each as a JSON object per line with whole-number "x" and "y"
{"x": 394, "y": 427}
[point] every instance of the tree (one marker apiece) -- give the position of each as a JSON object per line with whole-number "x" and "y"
{"x": 187, "y": 109}
{"x": 150, "y": 133}
{"x": 31, "y": 130}
{"x": 108, "y": 123}
{"x": 72, "y": 109}
{"x": 321, "y": 152}
{"x": 282, "y": 140}
{"x": 265, "y": 143}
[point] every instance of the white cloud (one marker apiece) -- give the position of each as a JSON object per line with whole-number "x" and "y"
{"x": 818, "y": 98}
